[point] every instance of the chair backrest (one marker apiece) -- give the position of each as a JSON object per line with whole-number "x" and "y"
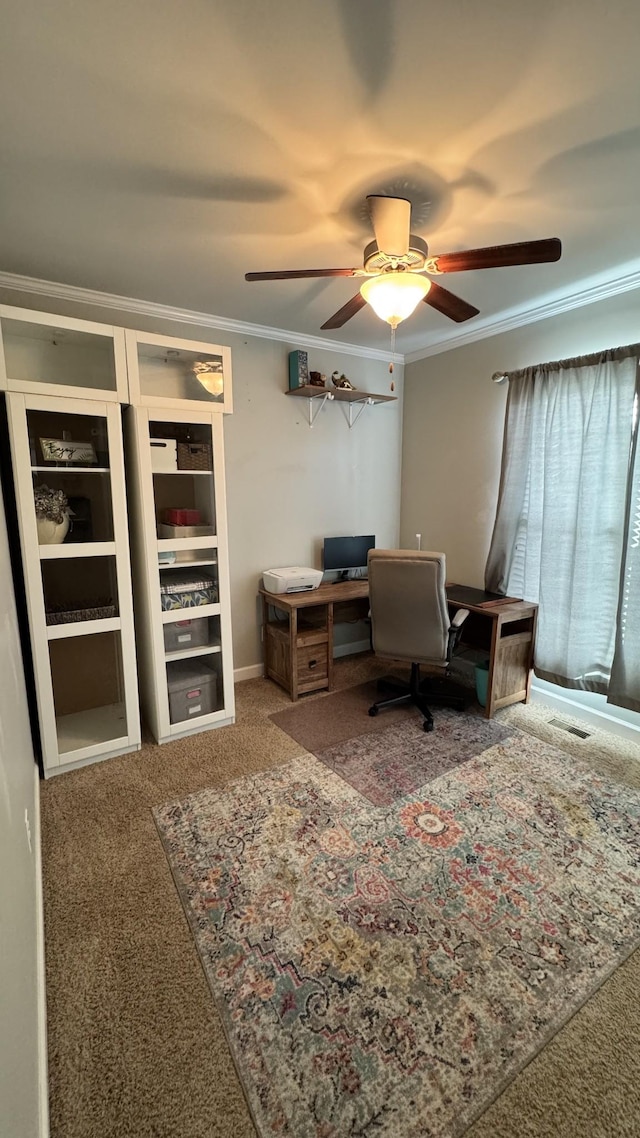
{"x": 409, "y": 614}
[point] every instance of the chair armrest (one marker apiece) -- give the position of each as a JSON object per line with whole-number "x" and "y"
{"x": 455, "y": 630}
{"x": 460, "y": 616}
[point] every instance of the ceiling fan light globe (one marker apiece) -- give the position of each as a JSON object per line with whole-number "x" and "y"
{"x": 394, "y": 296}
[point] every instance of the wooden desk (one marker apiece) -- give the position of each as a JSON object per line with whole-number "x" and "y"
{"x": 298, "y": 647}
{"x": 505, "y": 634}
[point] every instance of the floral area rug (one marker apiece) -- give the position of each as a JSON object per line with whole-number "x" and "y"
{"x": 384, "y": 971}
{"x": 398, "y": 760}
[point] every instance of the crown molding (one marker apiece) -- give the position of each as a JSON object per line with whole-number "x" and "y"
{"x": 519, "y": 317}
{"x": 58, "y": 291}
{"x": 515, "y": 318}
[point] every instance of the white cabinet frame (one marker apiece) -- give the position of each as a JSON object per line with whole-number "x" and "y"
{"x": 33, "y": 554}
{"x": 149, "y": 615}
{"x": 120, "y": 394}
{"x": 141, "y": 399}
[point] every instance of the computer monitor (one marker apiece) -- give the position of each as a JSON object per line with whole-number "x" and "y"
{"x": 346, "y": 554}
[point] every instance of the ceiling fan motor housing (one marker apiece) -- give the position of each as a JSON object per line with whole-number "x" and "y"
{"x": 375, "y": 261}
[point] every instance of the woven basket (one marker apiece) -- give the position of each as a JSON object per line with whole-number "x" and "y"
{"x": 72, "y": 616}
{"x": 194, "y": 456}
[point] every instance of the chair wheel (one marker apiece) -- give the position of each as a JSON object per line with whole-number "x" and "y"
{"x": 373, "y": 710}
{"x": 427, "y": 725}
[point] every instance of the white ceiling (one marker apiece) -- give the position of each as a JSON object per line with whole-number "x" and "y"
{"x": 160, "y": 150}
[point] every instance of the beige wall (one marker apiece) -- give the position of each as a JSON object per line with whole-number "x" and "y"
{"x": 453, "y": 424}
{"x": 22, "y": 1061}
{"x": 288, "y": 486}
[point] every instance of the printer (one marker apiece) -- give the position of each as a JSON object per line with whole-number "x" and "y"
{"x": 293, "y": 579}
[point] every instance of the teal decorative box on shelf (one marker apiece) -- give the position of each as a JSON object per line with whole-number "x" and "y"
{"x": 298, "y": 370}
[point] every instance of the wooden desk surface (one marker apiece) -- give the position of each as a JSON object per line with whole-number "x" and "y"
{"x": 327, "y": 593}
{"x": 331, "y": 592}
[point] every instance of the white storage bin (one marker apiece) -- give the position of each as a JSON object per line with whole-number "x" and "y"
{"x": 164, "y": 455}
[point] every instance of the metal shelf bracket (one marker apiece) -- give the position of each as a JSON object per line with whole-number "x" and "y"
{"x": 360, "y": 404}
{"x": 319, "y": 401}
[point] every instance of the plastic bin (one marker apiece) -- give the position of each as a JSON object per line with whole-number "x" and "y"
{"x": 482, "y": 682}
{"x": 164, "y": 455}
{"x": 182, "y": 634}
{"x": 193, "y": 690}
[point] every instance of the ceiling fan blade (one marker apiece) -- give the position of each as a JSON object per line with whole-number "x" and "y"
{"x": 448, "y": 304}
{"x": 291, "y": 274}
{"x": 500, "y": 256}
{"x": 391, "y": 221}
{"x": 346, "y": 312}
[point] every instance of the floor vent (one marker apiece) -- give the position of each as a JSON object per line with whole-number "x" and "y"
{"x": 567, "y": 727}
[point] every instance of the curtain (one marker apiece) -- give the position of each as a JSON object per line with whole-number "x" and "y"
{"x": 563, "y": 536}
{"x": 624, "y": 688}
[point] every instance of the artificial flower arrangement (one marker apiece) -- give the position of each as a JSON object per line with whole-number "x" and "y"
{"x": 51, "y": 504}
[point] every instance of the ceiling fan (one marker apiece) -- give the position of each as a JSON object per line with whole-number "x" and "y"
{"x": 397, "y": 268}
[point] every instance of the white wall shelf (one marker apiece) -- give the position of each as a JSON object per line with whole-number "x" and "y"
{"x": 82, "y": 628}
{"x": 70, "y": 469}
{"x": 77, "y": 549}
{"x": 318, "y": 397}
{"x": 175, "y": 544}
{"x": 191, "y": 613}
{"x": 187, "y": 564}
{"x": 190, "y": 653}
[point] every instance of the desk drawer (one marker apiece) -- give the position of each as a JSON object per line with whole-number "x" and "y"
{"x": 312, "y": 663}
{"x": 308, "y": 638}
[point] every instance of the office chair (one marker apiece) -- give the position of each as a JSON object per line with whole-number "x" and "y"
{"x": 410, "y": 621}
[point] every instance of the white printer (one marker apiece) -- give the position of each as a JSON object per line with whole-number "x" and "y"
{"x": 293, "y": 579}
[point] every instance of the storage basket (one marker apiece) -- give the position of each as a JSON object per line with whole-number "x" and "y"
{"x": 194, "y": 456}
{"x": 193, "y": 690}
{"x": 182, "y": 634}
{"x": 72, "y": 616}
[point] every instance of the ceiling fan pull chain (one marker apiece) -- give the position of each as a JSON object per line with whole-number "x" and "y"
{"x": 393, "y": 348}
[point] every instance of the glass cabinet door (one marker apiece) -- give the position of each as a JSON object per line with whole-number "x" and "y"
{"x": 181, "y": 569}
{"x": 70, "y": 467}
{"x": 69, "y": 477}
{"x": 55, "y": 355}
{"x": 171, "y": 373}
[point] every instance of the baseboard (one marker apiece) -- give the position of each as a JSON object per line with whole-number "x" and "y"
{"x": 43, "y": 1065}
{"x": 600, "y": 719}
{"x": 253, "y": 672}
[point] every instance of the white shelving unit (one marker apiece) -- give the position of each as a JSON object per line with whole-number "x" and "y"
{"x": 150, "y": 495}
{"x": 66, "y": 380}
{"x": 84, "y": 665}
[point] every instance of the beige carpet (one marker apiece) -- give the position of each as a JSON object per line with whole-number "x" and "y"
{"x": 135, "y": 1044}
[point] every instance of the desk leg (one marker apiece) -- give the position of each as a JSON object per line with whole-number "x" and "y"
{"x": 330, "y": 645}
{"x": 293, "y": 654}
{"x": 491, "y": 679}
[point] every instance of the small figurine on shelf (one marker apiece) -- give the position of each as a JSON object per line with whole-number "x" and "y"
{"x": 317, "y": 380}
{"x": 341, "y": 381}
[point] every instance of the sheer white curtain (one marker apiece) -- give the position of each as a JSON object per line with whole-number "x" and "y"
{"x": 562, "y": 535}
{"x": 624, "y": 687}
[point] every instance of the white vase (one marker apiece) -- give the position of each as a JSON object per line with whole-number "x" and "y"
{"x": 50, "y": 532}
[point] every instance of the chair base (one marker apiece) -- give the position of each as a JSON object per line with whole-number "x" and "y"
{"x": 419, "y": 693}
